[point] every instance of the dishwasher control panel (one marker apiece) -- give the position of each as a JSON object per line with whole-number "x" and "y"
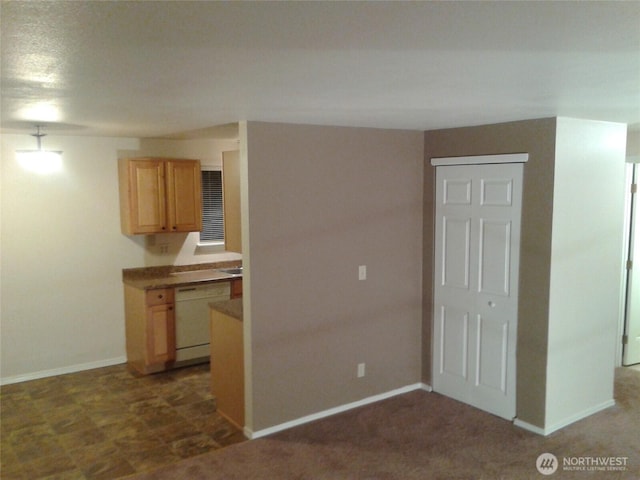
{"x": 214, "y": 289}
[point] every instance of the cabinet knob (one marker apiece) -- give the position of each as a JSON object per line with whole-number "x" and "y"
{"x": 160, "y": 296}
{"x": 174, "y": 227}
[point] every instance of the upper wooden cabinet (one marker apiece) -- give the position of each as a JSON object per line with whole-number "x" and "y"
{"x": 160, "y": 195}
{"x": 184, "y": 195}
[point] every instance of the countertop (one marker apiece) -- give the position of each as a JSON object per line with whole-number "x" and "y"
{"x": 149, "y": 278}
{"x": 232, "y": 308}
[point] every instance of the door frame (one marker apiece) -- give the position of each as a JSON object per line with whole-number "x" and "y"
{"x": 480, "y": 159}
{"x": 632, "y": 204}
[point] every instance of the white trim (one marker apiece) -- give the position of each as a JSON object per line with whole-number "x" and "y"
{"x": 567, "y": 421}
{"x": 579, "y": 416}
{"x": 62, "y": 370}
{"x": 481, "y": 159}
{"x": 529, "y": 427}
{"x": 624, "y": 278}
{"x": 333, "y": 411}
{"x": 211, "y": 168}
{"x": 212, "y": 243}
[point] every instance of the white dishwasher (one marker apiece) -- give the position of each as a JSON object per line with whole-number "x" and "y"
{"x": 192, "y": 319}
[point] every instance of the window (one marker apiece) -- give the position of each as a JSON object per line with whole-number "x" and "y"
{"x": 212, "y": 207}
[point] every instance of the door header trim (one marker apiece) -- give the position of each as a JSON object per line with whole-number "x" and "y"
{"x": 481, "y": 159}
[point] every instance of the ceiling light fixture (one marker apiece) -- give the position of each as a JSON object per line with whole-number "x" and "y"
{"x": 40, "y": 161}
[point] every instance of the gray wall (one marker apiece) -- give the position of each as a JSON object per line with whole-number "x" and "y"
{"x": 536, "y": 137}
{"x": 322, "y": 201}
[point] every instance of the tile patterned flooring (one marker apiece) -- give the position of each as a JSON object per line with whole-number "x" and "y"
{"x": 108, "y": 423}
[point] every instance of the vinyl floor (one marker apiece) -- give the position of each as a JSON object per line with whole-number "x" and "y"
{"x": 108, "y": 423}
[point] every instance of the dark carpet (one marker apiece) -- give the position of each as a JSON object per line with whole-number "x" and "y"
{"x": 422, "y": 435}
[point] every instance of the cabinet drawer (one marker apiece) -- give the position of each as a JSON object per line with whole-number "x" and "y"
{"x": 159, "y": 296}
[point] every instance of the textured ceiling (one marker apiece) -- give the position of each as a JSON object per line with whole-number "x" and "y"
{"x": 152, "y": 68}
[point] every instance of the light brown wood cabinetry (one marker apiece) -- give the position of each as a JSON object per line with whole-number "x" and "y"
{"x": 160, "y": 195}
{"x": 184, "y": 195}
{"x": 236, "y": 288}
{"x": 150, "y": 328}
{"x": 227, "y": 366}
{"x": 231, "y": 191}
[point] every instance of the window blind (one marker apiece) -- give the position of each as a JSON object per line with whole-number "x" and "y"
{"x": 212, "y": 207}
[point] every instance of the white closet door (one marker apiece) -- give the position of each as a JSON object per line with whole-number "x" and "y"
{"x": 478, "y": 210}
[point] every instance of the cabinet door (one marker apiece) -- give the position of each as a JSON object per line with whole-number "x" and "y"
{"x": 227, "y": 366}
{"x": 161, "y": 334}
{"x": 184, "y": 196}
{"x": 147, "y": 211}
{"x": 232, "y": 216}
{"x": 236, "y": 288}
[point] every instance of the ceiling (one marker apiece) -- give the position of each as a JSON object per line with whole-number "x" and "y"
{"x": 172, "y": 68}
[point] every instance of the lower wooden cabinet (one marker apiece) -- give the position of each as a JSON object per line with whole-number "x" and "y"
{"x": 161, "y": 335}
{"x": 236, "y": 288}
{"x": 227, "y": 366}
{"x": 150, "y": 328}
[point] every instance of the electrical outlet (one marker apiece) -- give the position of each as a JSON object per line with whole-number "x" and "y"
{"x": 361, "y": 370}
{"x": 362, "y": 272}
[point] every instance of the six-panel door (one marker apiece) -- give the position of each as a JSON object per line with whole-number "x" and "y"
{"x": 478, "y": 211}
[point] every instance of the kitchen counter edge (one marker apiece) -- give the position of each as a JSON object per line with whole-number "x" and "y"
{"x": 231, "y": 308}
{"x": 150, "y": 278}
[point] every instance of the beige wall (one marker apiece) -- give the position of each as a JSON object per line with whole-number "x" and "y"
{"x": 322, "y": 201}
{"x": 63, "y": 253}
{"x": 62, "y": 256}
{"x": 536, "y": 137}
{"x": 633, "y": 145}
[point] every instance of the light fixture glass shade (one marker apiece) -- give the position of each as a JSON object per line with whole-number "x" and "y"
{"x": 40, "y": 161}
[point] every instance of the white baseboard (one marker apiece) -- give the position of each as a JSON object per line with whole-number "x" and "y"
{"x": 567, "y": 421}
{"x": 333, "y": 411}
{"x": 529, "y": 427}
{"x": 62, "y": 370}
